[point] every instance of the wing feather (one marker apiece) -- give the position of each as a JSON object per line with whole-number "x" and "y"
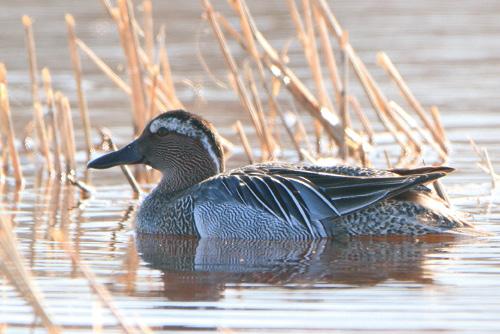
{"x": 299, "y": 196}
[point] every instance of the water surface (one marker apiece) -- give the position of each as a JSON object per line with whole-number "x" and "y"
{"x": 449, "y": 53}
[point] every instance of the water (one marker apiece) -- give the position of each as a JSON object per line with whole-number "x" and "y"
{"x": 448, "y": 51}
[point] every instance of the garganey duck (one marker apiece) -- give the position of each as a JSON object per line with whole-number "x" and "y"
{"x": 197, "y": 197}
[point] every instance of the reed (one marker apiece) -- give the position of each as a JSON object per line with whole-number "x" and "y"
{"x": 424, "y": 134}
{"x": 12, "y": 265}
{"x": 68, "y": 123}
{"x": 385, "y": 62}
{"x": 243, "y": 12}
{"x": 99, "y": 289}
{"x": 329, "y": 55}
{"x": 115, "y": 78}
{"x": 65, "y": 122}
{"x": 244, "y": 141}
{"x": 32, "y": 59}
{"x": 85, "y": 189}
{"x": 361, "y": 115}
{"x": 485, "y": 163}
{"x": 43, "y": 140}
{"x": 2, "y": 161}
{"x": 131, "y": 50}
{"x": 106, "y": 135}
{"x": 148, "y": 28}
{"x": 56, "y": 141}
{"x": 436, "y": 117}
{"x": 3, "y": 73}
{"x": 152, "y": 109}
{"x": 168, "y": 87}
{"x": 10, "y": 134}
{"x": 4, "y": 151}
{"x": 77, "y": 72}
{"x": 344, "y": 105}
{"x": 300, "y": 92}
{"x": 236, "y": 79}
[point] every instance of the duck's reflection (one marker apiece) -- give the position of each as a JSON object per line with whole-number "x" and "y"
{"x": 201, "y": 269}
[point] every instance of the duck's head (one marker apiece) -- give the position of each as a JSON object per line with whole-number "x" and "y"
{"x": 183, "y": 146}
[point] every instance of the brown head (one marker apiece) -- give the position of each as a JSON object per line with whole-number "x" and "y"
{"x": 184, "y": 147}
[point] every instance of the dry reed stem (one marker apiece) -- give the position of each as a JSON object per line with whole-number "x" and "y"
{"x": 109, "y": 8}
{"x": 133, "y": 64}
{"x": 385, "y": 62}
{"x": 372, "y": 97}
{"x": 77, "y": 71}
{"x": 64, "y": 132}
{"x": 104, "y": 67}
{"x": 492, "y": 173}
{"x": 112, "y": 11}
{"x": 314, "y": 62}
{"x": 152, "y": 110}
{"x": 299, "y": 25}
{"x": 236, "y": 79}
{"x": 311, "y": 54}
{"x": 388, "y": 160}
{"x": 68, "y": 118}
{"x": 375, "y": 96}
{"x": 344, "y": 105}
{"x": 405, "y": 125}
{"x": 106, "y": 135}
{"x": 365, "y": 122}
{"x": 244, "y": 14}
{"x": 328, "y": 55}
{"x": 12, "y": 265}
{"x": 3, "y": 73}
{"x": 169, "y": 88}
{"x": 148, "y": 28}
{"x": 424, "y": 134}
{"x": 168, "y": 99}
{"x": 485, "y": 163}
{"x": 85, "y": 188}
{"x": 436, "y": 117}
{"x": 362, "y": 156}
{"x": 3, "y": 150}
{"x": 9, "y": 128}
{"x": 56, "y": 146}
{"x": 440, "y": 191}
{"x": 32, "y": 59}
{"x": 270, "y": 143}
{"x": 99, "y": 289}
{"x": 385, "y": 108}
{"x": 244, "y": 141}
{"x": 120, "y": 83}
{"x": 43, "y": 140}
{"x": 293, "y": 84}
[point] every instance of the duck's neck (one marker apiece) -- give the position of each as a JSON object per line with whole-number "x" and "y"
{"x": 173, "y": 182}
{"x": 192, "y": 170}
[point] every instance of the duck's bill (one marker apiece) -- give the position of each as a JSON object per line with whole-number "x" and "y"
{"x": 128, "y": 155}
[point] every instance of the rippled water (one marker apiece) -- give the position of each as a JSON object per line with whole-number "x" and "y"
{"x": 449, "y": 53}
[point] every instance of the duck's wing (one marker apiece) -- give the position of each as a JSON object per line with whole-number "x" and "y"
{"x": 305, "y": 197}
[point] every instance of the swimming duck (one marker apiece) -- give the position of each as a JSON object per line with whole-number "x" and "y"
{"x": 197, "y": 197}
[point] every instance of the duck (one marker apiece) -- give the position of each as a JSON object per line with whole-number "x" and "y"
{"x": 273, "y": 201}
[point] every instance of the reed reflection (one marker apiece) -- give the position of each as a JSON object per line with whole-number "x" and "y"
{"x": 201, "y": 269}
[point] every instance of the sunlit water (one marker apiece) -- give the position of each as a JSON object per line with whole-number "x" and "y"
{"x": 448, "y": 52}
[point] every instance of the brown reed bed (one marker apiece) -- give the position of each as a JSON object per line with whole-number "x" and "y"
{"x": 341, "y": 125}
{"x": 333, "y": 119}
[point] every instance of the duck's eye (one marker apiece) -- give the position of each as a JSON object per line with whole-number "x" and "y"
{"x": 162, "y": 132}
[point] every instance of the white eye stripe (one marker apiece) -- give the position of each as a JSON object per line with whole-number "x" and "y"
{"x": 186, "y": 128}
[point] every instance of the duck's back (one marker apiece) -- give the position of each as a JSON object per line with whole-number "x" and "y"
{"x": 302, "y": 201}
